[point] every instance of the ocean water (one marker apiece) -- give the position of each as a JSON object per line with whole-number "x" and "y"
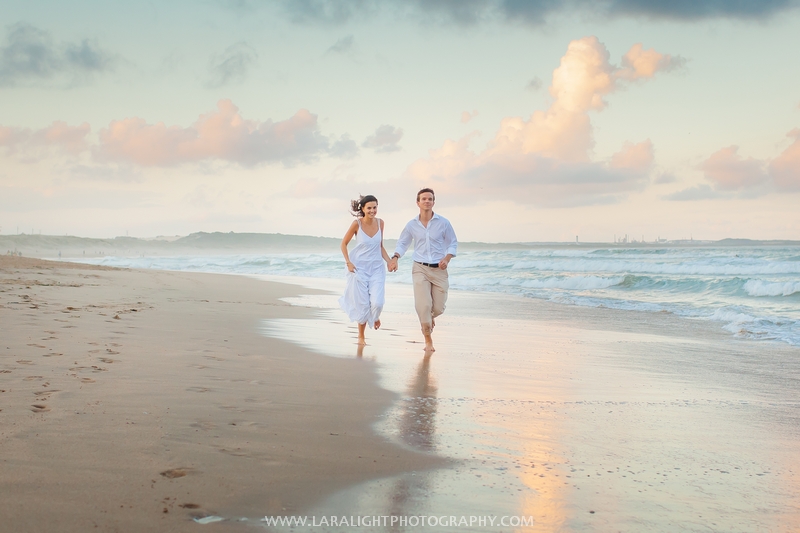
{"x": 752, "y": 292}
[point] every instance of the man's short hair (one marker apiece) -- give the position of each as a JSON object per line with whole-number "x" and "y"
{"x": 426, "y": 189}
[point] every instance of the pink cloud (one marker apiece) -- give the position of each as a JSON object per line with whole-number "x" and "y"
{"x": 59, "y": 134}
{"x": 466, "y": 116}
{"x": 639, "y": 63}
{"x": 546, "y": 159}
{"x": 728, "y": 171}
{"x": 72, "y": 139}
{"x": 222, "y": 134}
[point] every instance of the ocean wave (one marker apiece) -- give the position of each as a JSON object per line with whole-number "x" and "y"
{"x": 757, "y": 287}
{"x": 575, "y": 283}
{"x": 700, "y": 267}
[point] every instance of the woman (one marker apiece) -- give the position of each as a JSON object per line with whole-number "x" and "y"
{"x": 363, "y": 297}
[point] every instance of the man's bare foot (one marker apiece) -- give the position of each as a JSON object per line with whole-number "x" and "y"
{"x": 429, "y": 344}
{"x": 377, "y": 324}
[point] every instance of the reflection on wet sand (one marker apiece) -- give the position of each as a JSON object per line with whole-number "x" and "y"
{"x": 418, "y": 409}
{"x": 545, "y": 501}
{"x": 417, "y": 428}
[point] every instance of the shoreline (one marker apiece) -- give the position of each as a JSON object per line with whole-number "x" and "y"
{"x": 136, "y": 400}
{"x": 584, "y": 419}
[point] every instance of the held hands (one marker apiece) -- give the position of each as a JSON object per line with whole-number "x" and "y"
{"x": 391, "y": 265}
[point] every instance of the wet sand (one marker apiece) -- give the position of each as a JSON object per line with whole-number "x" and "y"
{"x": 583, "y": 419}
{"x": 137, "y": 400}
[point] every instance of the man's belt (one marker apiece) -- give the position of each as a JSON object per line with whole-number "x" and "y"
{"x": 432, "y": 265}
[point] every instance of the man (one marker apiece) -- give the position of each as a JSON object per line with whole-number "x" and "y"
{"x": 435, "y": 244}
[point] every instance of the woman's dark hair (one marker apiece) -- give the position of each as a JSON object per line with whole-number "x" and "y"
{"x": 357, "y": 206}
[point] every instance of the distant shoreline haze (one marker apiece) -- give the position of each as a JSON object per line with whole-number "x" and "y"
{"x": 221, "y": 243}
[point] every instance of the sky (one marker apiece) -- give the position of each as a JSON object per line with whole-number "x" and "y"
{"x": 532, "y": 120}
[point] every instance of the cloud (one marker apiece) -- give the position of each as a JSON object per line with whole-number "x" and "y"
{"x": 30, "y": 56}
{"x": 327, "y": 11}
{"x": 545, "y": 160}
{"x": 466, "y": 116}
{"x": 728, "y": 171}
{"x": 527, "y": 12}
{"x": 222, "y": 135}
{"x": 25, "y": 141}
{"x": 231, "y": 65}
{"x": 534, "y": 85}
{"x": 639, "y": 63}
{"x": 708, "y": 9}
{"x": 345, "y": 148}
{"x": 700, "y": 192}
{"x": 384, "y": 139}
{"x": 342, "y": 46}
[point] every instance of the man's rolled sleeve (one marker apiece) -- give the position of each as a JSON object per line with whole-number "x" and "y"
{"x": 451, "y": 240}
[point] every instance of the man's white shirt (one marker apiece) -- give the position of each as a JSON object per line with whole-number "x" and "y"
{"x": 432, "y": 243}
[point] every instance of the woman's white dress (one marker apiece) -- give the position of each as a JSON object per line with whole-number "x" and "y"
{"x": 364, "y": 293}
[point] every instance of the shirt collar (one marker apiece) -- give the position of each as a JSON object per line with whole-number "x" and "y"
{"x": 435, "y": 215}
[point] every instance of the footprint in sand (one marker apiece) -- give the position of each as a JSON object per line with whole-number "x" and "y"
{"x": 52, "y": 354}
{"x": 39, "y": 408}
{"x": 198, "y": 389}
{"x": 94, "y": 369}
{"x": 87, "y": 380}
{"x": 25, "y": 362}
{"x": 189, "y": 506}
{"x": 106, "y": 360}
{"x": 111, "y": 351}
{"x": 37, "y": 346}
{"x": 5, "y": 371}
{"x": 204, "y": 425}
{"x": 32, "y": 378}
{"x": 173, "y": 473}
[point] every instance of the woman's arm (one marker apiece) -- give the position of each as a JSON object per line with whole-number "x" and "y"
{"x": 384, "y": 254}
{"x": 351, "y": 231}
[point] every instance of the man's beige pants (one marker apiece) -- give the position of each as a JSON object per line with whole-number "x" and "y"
{"x": 430, "y": 294}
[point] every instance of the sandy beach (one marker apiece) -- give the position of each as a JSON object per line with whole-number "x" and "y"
{"x": 137, "y": 400}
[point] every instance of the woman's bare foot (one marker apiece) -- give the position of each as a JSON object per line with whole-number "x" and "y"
{"x": 361, "y": 341}
{"x": 377, "y": 324}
